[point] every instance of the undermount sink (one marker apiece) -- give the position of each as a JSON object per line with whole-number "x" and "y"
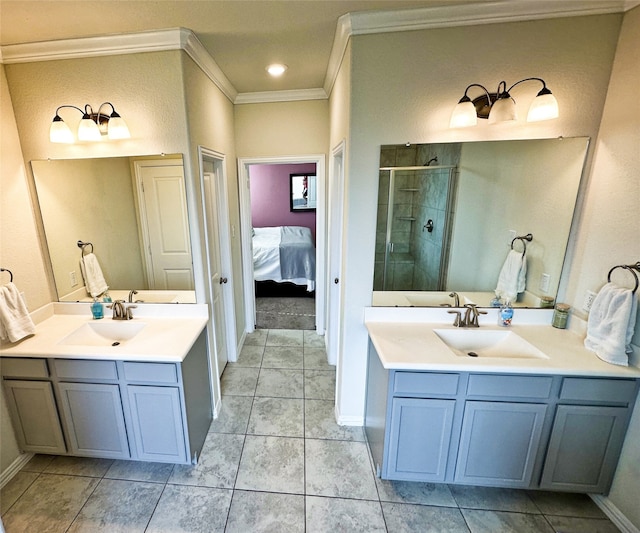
{"x": 108, "y": 333}
{"x": 488, "y": 343}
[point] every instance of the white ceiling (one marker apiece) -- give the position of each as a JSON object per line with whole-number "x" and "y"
{"x": 242, "y": 36}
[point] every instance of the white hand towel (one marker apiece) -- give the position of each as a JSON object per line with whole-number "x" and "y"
{"x": 513, "y": 276}
{"x": 92, "y": 274}
{"x": 15, "y": 322}
{"x": 611, "y": 324}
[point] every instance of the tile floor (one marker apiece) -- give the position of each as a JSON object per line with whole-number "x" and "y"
{"x": 278, "y": 312}
{"x": 274, "y": 461}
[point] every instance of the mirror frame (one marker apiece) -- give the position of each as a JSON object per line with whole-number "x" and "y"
{"x": 296, "y": 183}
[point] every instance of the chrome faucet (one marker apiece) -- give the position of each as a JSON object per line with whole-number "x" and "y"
{"x": 471, "y": 316}
{"x": 131, "y": 293}
{"x": 470, "y": 319}
{"x": 121, "y": 311}
{"x": 456, "y": 299}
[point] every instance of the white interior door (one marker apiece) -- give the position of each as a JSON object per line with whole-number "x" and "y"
{"x": 217, "y": 278}
{"x": 162, "y": 198}
{"x": 334, "y": 289}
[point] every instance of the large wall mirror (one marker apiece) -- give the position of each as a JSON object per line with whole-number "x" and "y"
{"x": 132, "y": 211}
{"x": 448, "y": 215}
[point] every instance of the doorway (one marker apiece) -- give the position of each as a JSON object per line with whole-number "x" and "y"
{"x": 246, "y": 166}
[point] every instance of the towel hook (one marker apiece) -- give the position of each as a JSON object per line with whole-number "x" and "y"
{"x": 10, "y": 273}
{"x": 630, "y": 268}
{"x": 523, "y": 238}
{"x": 83, "y": 245}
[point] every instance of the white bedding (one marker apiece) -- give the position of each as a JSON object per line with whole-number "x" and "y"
{"x": 266, "y": 254}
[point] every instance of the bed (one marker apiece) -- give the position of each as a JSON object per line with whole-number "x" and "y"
{"x": 284, "y": 254}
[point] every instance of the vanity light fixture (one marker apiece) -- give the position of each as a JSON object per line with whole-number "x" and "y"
{"x": 501, "y": 107}
{"x": 277, "y": 69}
{"x": 92, "y": 125}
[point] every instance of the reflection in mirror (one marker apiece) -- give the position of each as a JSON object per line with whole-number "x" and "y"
{"x": 448, "y": 215}
{"x": 303, "y": 192}
{"x": 132, "y": 210}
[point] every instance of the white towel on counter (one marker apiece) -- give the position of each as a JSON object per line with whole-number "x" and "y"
{"x": 92, "y": 275}
{"x": 611, "y": 324}
{"x": 15, "y": 322}
{"x": 513, "y": 276}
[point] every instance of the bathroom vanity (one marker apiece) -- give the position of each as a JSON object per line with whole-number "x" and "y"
{"x": 552, "y": 416}
{"x": 71, "y": 391}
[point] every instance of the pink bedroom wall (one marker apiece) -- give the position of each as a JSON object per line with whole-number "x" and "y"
{"x": 270, "y": 197}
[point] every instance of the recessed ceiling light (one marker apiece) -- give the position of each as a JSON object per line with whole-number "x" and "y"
{"x": 276, "y": 69}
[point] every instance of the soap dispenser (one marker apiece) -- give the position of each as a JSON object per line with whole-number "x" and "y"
{"x": 505, "y": 316}
{"x": 97, "y": 309}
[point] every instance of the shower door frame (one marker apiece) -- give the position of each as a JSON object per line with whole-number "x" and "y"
{"x": 451, "y": 190}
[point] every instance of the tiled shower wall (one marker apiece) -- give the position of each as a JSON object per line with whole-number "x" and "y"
{"x": 415, "y": 263}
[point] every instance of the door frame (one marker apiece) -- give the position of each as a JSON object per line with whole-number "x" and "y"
{"x": 246, "y": 238}
{"x": 224, "y": 230}
{"x": 335, "y": 234}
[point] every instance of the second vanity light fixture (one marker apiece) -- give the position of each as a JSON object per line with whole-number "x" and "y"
{"x": 501, "y": 107}
{"x": 92, "y": 126}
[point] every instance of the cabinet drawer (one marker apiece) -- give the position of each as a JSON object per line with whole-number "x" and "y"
{"x": 425, "y": 383}
{"x": 151, "y": 372}
{"x": 24, "y": 368}
{"x": 481, "y": 385}
{"x": 598, "y": 390}
{"x": 83, "y": 369}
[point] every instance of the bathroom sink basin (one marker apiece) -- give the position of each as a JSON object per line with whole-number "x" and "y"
{"x": 103, "y": 333}
{"x": 488, "y": 343}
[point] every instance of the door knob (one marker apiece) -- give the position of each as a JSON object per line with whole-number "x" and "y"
{"x": 223, "y": 280}
{"x": 336, "y": 281}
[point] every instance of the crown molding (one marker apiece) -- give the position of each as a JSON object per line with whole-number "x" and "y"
{"x": 196, "y": 51}
{"x": 102, "y": 45}
{"x": 500, "y": 11}
{"x": 120, "y": 44}
{"x": 281, "y": 96}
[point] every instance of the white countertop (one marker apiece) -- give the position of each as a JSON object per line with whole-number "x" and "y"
{"x": 167, "y": 336}
{"x": 405, "y": 340}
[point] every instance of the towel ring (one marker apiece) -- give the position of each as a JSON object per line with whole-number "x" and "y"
{"x": 523, "y": 238}
{"x": 10, "y": 273}
{"x": 83, "y": 245}
{"x": 630, "y": 268}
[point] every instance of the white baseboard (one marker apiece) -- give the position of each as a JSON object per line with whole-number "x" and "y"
{"x": 14, "y": 468}
{"x": 614, "y": 514}
{"x": 348, "y": 420}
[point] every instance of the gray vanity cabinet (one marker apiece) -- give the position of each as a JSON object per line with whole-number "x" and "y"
{"x": 586, "y": 440}
{"x": 561, "y": 433}
{"x": 33, "y": 409}
{"x": 157, "y": 423}
{"x": 421, "y": 430}
{"x": 95, "y": 420}
{"x": 146, "y": 411}
{"x": 499, "y": 443}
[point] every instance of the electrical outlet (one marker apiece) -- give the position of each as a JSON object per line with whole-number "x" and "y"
{"x": 544, "y": 282}
{"x": 73, "y": 278}
{"x": 588, "y": 301}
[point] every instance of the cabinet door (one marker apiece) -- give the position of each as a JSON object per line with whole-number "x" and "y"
{"x": 499, "y": 442}
{"x": 95, "y": 421}
{"x": 35, "y": 417}
{"x": 584, "y": 448}
{"x": 420, "y": 432}
{"x": 158, "y": 428}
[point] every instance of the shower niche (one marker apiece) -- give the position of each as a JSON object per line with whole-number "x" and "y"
{"x": 416, "y": 198}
